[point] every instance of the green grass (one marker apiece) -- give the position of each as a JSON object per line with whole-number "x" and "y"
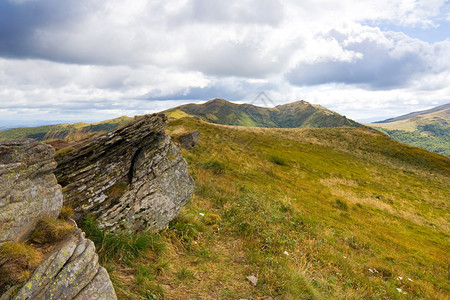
{"x": 63, "y": 131}
{"x": 433, "y": 137}
{"x": 292, "y": 115}
{"x": 307, "y": 211}
{"x": 120, "y": 247}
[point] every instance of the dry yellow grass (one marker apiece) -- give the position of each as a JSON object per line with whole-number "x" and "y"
{"x": 17, "y": 260}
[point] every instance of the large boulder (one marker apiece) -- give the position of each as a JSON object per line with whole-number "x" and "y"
{"x": 28, "y": 189}
{"x": 70, "y": 271}
{"x": 29, "y": 192}
{"x": 132, "y": 178}
{"x": 189, "y": 140}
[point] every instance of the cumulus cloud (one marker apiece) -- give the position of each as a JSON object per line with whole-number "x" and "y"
{"x": 115, "y": 56}
{"x": 232, "y": 89}
{"x": 380, "y": 60}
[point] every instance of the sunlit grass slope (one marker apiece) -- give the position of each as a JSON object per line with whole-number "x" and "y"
{"x": 299, "y": 114}
{"x": 429, "y": 129}
{"x": 337, "y": 213}
{"x": 61, "y": 131}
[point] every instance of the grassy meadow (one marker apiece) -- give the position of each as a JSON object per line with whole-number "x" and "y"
{"x": 337, "y": 213}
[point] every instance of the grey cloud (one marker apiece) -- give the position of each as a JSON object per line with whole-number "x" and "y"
{"x": 244, "y": 11}
{"x": 87, "y": 32}
{"x": 245, "y": 58}
{"x": 228, "y": 89}
{"x": 21, "y": 23}
{"x": 382, "y": 66}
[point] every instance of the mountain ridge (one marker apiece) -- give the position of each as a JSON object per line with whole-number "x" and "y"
{"x": 444, "y": 107}
{"x": 298, "y": 114}
{"x": 428, "y": 129}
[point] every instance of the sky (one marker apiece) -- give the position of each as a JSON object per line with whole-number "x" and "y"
{"x": 89, "y": 60}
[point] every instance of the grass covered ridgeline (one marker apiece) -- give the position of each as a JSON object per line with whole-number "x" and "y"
{"x": 338, "y": 213}
{"x": 65, "y": 131}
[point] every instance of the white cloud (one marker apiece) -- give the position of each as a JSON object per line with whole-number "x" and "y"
{"x": 105, "y": 56}
{"x": 379, "y": 60}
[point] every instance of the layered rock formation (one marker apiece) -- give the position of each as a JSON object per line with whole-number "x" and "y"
{"x": 132, "y": 178}
{"x": 71, "y": 271}
{"x": 28, "y": 188}
{"x": 28, "y": 193}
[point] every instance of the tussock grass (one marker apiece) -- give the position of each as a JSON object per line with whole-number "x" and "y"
{"x": 49, "y": 230}
{"x": 64, "y": 151}
{"x": 121, "y": 247}
{"x": 66, "y": 212}
{"x": 17, "y": 260}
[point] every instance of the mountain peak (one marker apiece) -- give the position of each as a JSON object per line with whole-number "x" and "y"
{"x": 295, "y": 103}
{"x": 292, "y": 115}
{"x": 218, "y": 101}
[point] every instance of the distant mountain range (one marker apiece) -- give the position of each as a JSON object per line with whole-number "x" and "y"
{"x": 61, "y": 131}
{"x": 293, "y": 115}
{"x": 436, "y": 114}
{"x": 219, "y": 111}
{"x": 428, "y": 129}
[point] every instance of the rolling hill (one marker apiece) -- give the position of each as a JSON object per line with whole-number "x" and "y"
{"x": 61, "y": 131}
{"x": 219, "y": 111}
{"x": 436, "y": 115}
{"x": 300, "y": 114}
{"x": 329, "y": 213}
{"x": 428, "y": 129}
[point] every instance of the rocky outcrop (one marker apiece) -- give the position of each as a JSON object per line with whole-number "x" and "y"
{"x": 70, "y": 271}
{"x": 28, "y": 188}
{"x": 29, "y": 192}
{"x": 189, "y": 140}
{"x": 132, "y": 178}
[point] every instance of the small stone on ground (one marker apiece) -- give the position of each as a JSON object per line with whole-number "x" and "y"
{"x": 253, "y": 280}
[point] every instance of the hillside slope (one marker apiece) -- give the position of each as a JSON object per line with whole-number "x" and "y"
{"x": 433, "y": 115}
{"x": 61, "y": 131}
{"x": 335, "y": 213}
{"x": 292, "y": 115}
{"x": 428, "y": 129}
